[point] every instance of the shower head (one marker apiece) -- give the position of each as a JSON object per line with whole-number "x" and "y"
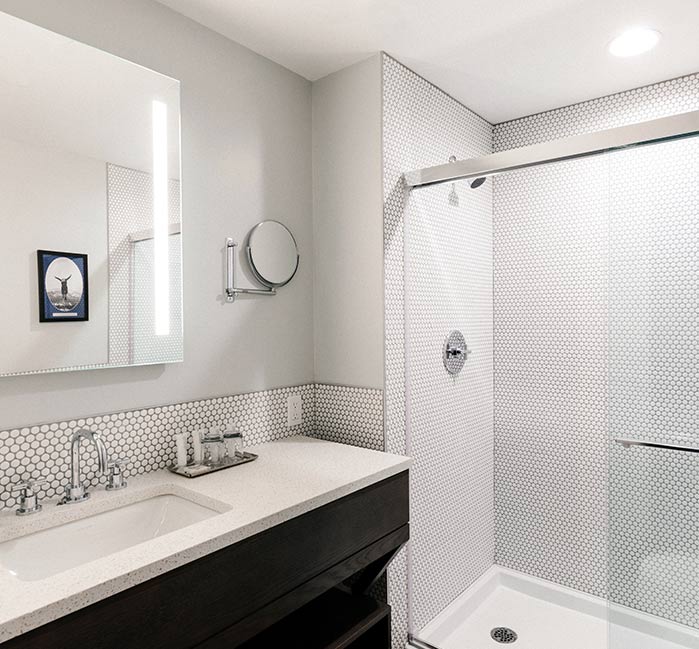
{"x": 477, "y": 182}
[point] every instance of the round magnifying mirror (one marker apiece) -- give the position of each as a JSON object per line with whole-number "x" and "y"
{"x": 272, "y": 253}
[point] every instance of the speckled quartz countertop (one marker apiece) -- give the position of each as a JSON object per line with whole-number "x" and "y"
{"x": 292, "y": 476}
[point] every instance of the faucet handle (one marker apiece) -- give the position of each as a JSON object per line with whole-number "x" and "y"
{"x": 115, "y": 477}
{"x": 28, "y": 485}
{"x": 28, "y": 500}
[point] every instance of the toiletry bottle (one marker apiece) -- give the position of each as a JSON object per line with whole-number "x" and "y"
{"x": 196, "y": 444}
{"x": 181, "y": 443}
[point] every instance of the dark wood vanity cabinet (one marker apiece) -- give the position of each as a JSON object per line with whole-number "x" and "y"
{"x": 281, "y": 587}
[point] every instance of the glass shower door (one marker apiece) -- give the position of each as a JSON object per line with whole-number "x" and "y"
{"x": 653, "y": 402}
{"x": 508, "y": 486}
{"x": 595, "y": 322}
{"x": 448, "y": 289}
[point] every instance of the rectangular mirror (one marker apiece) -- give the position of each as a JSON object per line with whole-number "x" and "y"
{"x": 90, "y": 221}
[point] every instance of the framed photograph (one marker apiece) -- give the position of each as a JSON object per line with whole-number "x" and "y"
{"x": 63, "y": 290}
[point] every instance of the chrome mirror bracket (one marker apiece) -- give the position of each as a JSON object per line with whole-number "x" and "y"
{"x": 231, "y": 290}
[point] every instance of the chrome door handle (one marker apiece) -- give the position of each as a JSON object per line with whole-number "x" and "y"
{"x": 686, "y": 448}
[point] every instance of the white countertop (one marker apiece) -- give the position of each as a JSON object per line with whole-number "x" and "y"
{"x": 291, "y": 477}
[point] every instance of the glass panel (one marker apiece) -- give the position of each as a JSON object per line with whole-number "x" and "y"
{"x": 448, "y": 266}
{"x": 509, "y": 497}
{"x": 653, "y": 390}
{"x": 539, "y": 522}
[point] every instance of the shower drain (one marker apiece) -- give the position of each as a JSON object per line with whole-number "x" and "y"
{"x": 503, "y": 635}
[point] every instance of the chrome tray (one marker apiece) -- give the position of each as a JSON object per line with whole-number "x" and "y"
{"x": 195, "y": 470}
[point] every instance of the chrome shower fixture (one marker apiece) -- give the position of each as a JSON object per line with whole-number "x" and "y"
{"x": 654, "y": 131}
{"x": 476, "y": 182}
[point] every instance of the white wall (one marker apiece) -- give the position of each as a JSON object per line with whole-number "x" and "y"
{"x": 246, "y": 134}
{"x": 348, "y": 229}
{"x": 51, "y": 200}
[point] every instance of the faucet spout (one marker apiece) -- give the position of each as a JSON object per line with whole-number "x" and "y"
{"x": 75, "y": 490}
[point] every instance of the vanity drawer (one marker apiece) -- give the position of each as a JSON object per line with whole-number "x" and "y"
{"x": 195, "y": 602}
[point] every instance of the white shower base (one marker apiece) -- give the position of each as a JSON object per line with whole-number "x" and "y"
{"x": 547, "y": 616}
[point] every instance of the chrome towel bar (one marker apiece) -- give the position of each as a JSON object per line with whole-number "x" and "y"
{"x": 686, "y": 448}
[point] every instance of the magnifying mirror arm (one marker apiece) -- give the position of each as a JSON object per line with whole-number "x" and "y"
{"x": 231, "y": 289}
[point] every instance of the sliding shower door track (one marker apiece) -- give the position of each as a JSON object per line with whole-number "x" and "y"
{"x": 419, "y": 644}
{"x": 654, "y": 131}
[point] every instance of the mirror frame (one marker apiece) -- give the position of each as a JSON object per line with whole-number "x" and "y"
{"x": 258, "y": 276}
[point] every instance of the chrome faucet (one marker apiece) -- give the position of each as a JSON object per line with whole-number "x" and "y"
{"x": 75, "y": 490}
{"x": 28, "y": 498}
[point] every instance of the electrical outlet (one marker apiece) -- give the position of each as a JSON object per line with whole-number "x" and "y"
{"x": 294, "y": 414}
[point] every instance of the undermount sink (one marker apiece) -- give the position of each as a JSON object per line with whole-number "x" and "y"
{"x": 42, "y": 554}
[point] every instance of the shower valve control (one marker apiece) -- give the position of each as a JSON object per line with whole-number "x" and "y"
{"x": 455, "y": 352}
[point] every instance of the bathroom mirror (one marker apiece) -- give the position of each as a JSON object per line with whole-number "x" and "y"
{"x": 272, "y": 253}
{"x": 90, "y": 223}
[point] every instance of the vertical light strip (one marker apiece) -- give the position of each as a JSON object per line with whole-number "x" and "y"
{"x": 161, "y": 263}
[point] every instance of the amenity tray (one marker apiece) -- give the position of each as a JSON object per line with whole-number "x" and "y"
{"x": 196, "y": 470}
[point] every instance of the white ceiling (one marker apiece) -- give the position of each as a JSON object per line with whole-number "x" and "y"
{"x": 502, "y": 58}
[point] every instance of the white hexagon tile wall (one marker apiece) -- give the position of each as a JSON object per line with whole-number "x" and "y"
{"x": 608, "y": 349}
{"x": 349, "y": 415}
{"x": 146, "y": 436}
{"x": 595, "y": 301}
{"x": 447, "y": 233}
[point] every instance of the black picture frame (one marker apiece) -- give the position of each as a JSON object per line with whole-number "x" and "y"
{"x": 61, "y": 300}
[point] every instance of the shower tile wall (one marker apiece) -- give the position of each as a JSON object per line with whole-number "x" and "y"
{"x": 448, "y": 268}
{"x": 550, "y": 232}
{"x": 654, "y": 378}
{"x": 596, "y": 295}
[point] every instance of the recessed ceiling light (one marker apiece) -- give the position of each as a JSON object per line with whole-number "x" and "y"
{"x": 634, "y": 41}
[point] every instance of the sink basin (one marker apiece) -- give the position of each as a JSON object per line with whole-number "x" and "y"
{"x": 60, "y": 548}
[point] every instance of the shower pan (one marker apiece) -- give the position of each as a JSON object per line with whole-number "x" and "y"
{"x": 553, "y": 496}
